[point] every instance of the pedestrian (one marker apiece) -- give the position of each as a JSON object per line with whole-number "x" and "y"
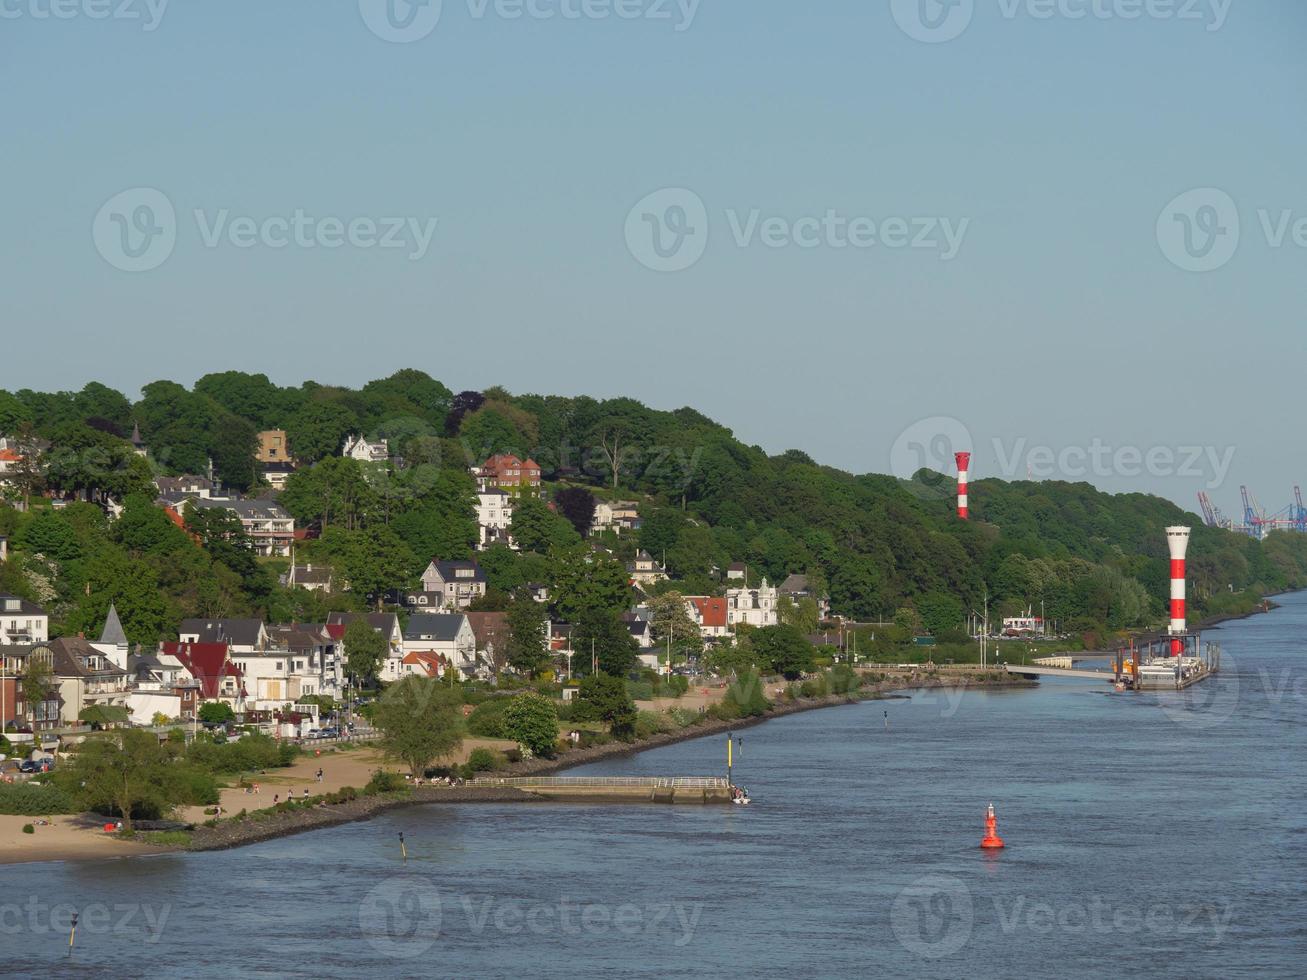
{"x": 306, "y": 792}
{"x": 275, "y": 798}
{"x": 319, "y": 775}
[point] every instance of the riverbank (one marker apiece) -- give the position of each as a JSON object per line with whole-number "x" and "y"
{"x": 81, "y": 838}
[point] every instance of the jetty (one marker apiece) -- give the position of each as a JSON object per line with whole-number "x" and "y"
{"x": 1173, "y": 661}
{"x": 616, "y": 789}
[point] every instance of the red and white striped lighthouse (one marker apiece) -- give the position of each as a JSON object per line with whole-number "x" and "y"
{"x": 1177, "y": 540}
{"x": 964, "y": 461}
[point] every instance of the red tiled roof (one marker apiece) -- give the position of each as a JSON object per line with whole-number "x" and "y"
{"x": 207, "y": 662}
{"x": 9, "y": 456}
{"x": 711, "y": 610}
{"x": 433, "y": 663}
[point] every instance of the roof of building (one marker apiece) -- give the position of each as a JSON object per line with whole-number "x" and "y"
{"x": 432, "y": 663}
{"x": 73, "y": 656}
{"x": 113, "y": 631}
{"x": 489, "y": 627}
{"x": 207, "y": 662}
{"x": 253, "y": 510}
{"x": 383, "y": 623}
{"x": 441, "y": 627}
{"x": 795, "y": 585}
{"x": 307, "y": 574}
{"x": 11, "y": 604}
{"x": 448, "y": 570}
{"x": 179, "y": 484}
{"x": 712, "y": 610}
{"x": 238, "y": 632}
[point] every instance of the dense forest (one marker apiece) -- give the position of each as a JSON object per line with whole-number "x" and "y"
{"x": 882, "y": 548}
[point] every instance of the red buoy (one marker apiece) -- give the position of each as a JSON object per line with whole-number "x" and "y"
{"x": 992, "y": 840}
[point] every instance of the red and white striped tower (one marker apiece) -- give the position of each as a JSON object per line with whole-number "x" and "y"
{"x": 964, "y": 461}
{"x": 1177, "y": 539}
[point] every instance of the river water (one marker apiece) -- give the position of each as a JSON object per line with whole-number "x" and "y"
{"x": 1159, "y": 833}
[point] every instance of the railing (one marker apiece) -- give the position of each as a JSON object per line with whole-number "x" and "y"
{"x": 603, "y": 782}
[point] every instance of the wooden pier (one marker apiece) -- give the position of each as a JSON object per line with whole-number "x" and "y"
{"x": 1150, "y": 664}
{"x": 617, "y": 789}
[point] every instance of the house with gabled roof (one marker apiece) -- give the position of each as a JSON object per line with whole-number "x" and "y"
{"x": 458, "y": 582}
{"x": 242, "y": 635}
{"x": 209, "y": 665}
{"x": 448, "y": 634}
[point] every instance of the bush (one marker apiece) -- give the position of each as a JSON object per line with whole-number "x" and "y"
{"x": 639, "y": 690}
{"x": 384, "y": 782}
{"x": 250, "y": 754}
{"x": 487, "y": 718}
{"x": 649, "y": 723}
{"x": 745, "y": 696}
{"x": 28, "y": 828}
{"x": 196, "y": 787}
{"x": 683, "y": 717}
{"x": 843, "y": 679}
{"x": 485, "y": 760}
{"x": 34, "y": 800}
{"x": 726, "y": 710}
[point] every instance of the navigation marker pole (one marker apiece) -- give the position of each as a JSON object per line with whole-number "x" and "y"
{"x": 72, "y": 935}
{"x": 403, "y": 848}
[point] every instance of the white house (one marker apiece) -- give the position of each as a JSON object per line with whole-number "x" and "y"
{"x": 22, "y": 621}
{"x": 241, "y": 635}
{"x": 356, "y": 447}
{"x": 755, "y": 607}
{"x": 458, "y": 581}
{"x": 644, "y": 570}
{"x": 445, "y": 634}
{"x": 275, "y": 678}
{"x": 271, "y": 529}
{"x": 494, "y": 517}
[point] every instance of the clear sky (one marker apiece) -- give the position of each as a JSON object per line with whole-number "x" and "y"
{"x": 978, "y": 204}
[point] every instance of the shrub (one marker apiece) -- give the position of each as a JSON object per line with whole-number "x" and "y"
{"x": 745, "y": 696}
{"x": 34, "y": 800}
{"x": 487, "y": 718}
{"x": 639, "y": 690}
{"x": 649, "y": 723}
{"x": 485, "y": 760}
{"x": 843, "y": 679}
{"x": 683, "y": 717}
{"x": 384, "y": 782}
{"x": 28, "y": 828}
{"x": 195, "y": 786}
{"x": 531, "y": 720}
{"x": 726, "y": 710}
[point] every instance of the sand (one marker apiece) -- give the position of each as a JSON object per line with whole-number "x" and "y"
{"x": 69, "y": 838}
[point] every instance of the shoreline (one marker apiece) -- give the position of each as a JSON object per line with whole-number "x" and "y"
{"x": 232, "y": 832}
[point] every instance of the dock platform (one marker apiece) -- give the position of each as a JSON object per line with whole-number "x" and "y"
{"x": 618, "y": 789}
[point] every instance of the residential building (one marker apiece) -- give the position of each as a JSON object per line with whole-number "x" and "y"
{"x": 314, "y": 579}
{"x": 242, "y": 635}
{"x": 16, "y": 705}
{"x": 620, "y": 515}
{"x": 160, "y": 689}
{"x": 184, "y": 486}
{"x": 113, "y": 640}
{"x": 277, "y": 475}
{"x": 356, "y": 447}
{"x": 507, "y": 472}
{"x": 645, "y": 570}
{"x": 138, "y": 444}
{"x": 796, "y": 587}
{"x": 278, "y": 677}
{"x": 737, "y": 571}
{"x": 492, "y": 634}
{"x": 459, "y": 582}
{"x": 428, "y": 665}
{"x": 210, "y": 667}
{"x": 494, "y": 517}
{"x": 22, "y": 621}
{"x": 270, "y": 528}
{"x": 87, "y": 678}
{"x": 422, "y": 601}
{"x": 387, "y": 624}
{"x": 755, "y": 607}
{"x": 272, "y": 447}
{"x": 447, "y": 634}
{"x": 641, "y": 629}
{"x": 4, "y": 548}
{"x": 710, "y": 614}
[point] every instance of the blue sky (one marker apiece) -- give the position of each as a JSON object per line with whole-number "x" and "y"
{"x": 1062, "y": 318}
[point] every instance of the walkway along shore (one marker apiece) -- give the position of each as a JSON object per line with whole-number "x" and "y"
{"x": 231, "y": 833}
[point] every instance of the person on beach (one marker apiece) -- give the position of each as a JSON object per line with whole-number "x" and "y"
{"x": 319, "y": 775}
{"x": 306, "y": 792}
{"x": 276, "y": 797}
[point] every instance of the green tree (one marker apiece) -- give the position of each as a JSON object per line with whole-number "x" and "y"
{"x": 421, "y": 720}
{"x": 128, "y": 770}
{"x": 584, "y": 581}
{"x": 216, "y": 713}
{"x": 318, "y": 429}
{"x": 527, "y": 624}
{"x": 531, "y": 720}
{"x": 783, "y": 649}
{"x": 603, "y": 697}
{"x": 603, "y": 632}
{"x": 537, "y": 528}
{"x": 365, "y": 650}
{"x": 671, "y": 620}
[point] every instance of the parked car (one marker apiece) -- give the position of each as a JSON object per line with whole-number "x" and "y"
{"x": 329, "y": 733}
{"x": 41, "y": 765}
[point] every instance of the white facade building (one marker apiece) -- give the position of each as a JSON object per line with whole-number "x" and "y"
{"x": 754, "y": 607}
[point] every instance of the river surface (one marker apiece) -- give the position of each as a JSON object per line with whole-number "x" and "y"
{"x": 1160, "y": 834}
